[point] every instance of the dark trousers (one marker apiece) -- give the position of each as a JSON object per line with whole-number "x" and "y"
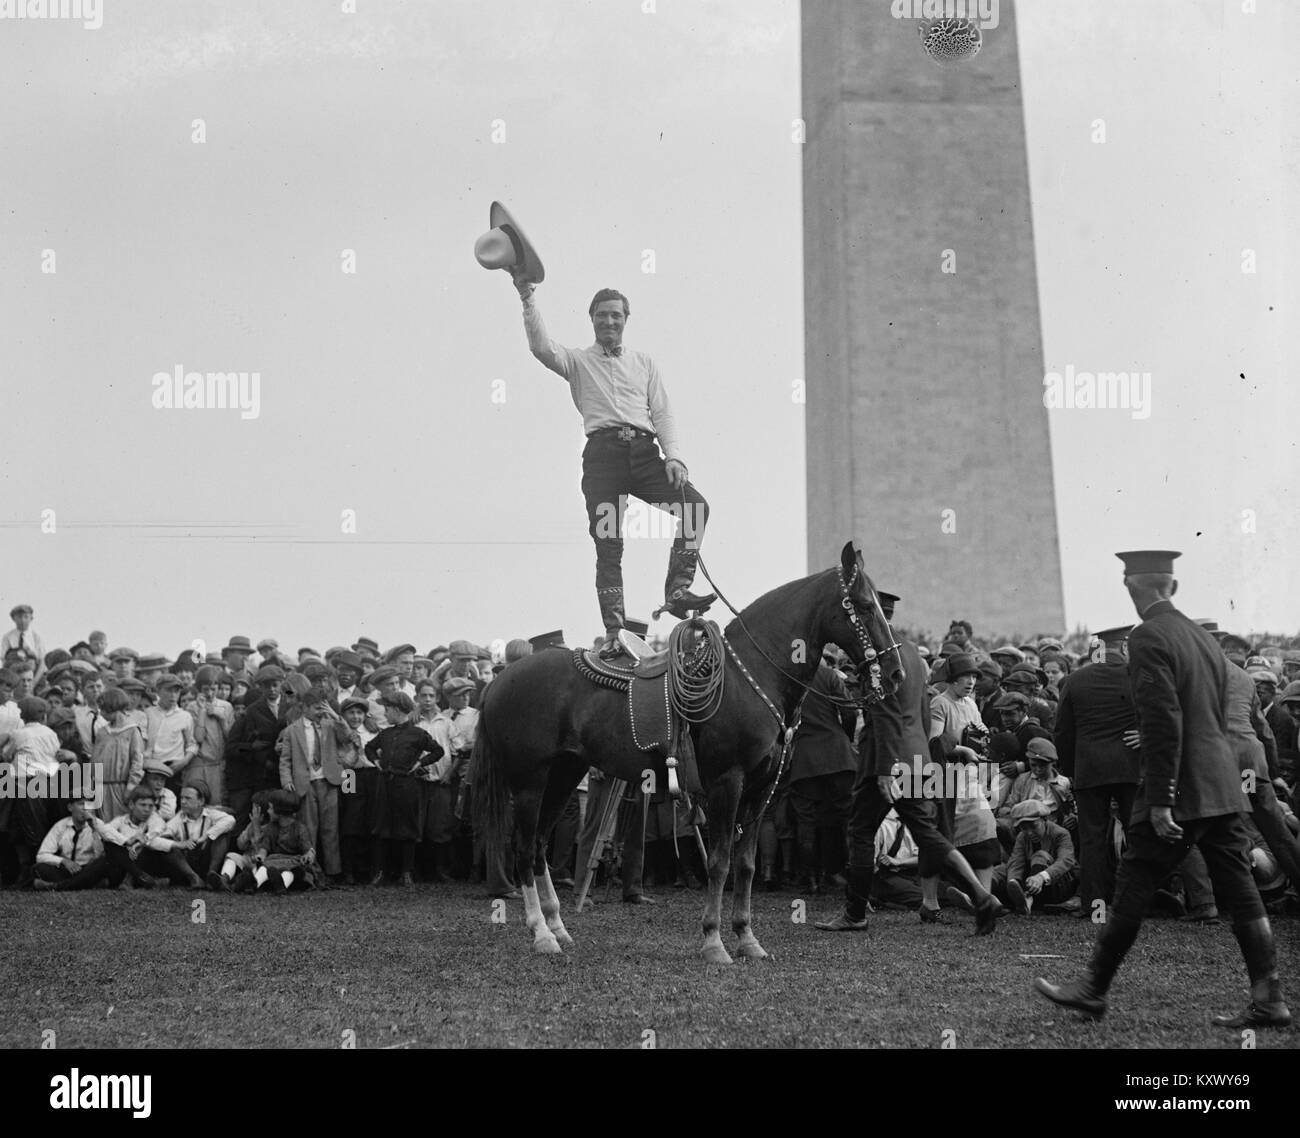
{"x": 150, "y": 862}
{"x": 613, "y": 469}
{"x": 1096, "y": 868}
{"x": 87, "y": 877}
{"x": 631, "y": 830}
{"x": 1226, "y": 847}
{"x": 207, "y": 857}
{"x": 822, "y": 804}
{"x": 868, "y": 811}
{"x": 1272, "y": 825}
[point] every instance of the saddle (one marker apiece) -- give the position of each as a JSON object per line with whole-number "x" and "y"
{"x": 646, "y": 676}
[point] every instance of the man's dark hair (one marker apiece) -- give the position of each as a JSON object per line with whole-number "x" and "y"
{"x": 609, "y": 294}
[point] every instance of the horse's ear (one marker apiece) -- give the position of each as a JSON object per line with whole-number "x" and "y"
{"x": 850, "y": 559}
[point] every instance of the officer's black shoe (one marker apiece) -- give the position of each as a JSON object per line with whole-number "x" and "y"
{"x": 682, "y": 604}
{"x": 1257, "y": 1015}
{"x": 1080, "y": 994}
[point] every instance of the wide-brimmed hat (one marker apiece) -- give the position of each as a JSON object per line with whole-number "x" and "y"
{"x": 239, "y": 644}
{"x": 504, "y": 246}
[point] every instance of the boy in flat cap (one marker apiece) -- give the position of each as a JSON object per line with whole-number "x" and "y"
{"x": 1042, "y": 869}
{"x": 1191, "y": 793}
{"x": 401, "y": 751}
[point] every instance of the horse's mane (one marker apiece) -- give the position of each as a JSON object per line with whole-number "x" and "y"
{"x": 778, "y": 599}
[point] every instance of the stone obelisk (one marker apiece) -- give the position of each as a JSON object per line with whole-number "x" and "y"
{"x": 927, "y": 436}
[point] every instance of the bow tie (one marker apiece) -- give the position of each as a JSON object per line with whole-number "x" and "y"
{"x": 618, "y": 351}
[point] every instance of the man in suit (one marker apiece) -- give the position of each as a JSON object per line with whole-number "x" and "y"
{"x": 1190, "y": 793}
{"x": 310, "y": 768}
{"x": 897, "y": 730}
{"x": 1096, "y": 744}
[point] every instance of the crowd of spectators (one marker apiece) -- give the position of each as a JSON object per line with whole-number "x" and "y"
{"x": 250, "y": 770}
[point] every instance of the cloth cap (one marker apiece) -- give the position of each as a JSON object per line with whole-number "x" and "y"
{"x": 463, "y": 648}
{"x": 348, "y": 659}
{"x": 1029, "y": 811}
{"x": 457, "y": 684}
{"x": 399, "y": 700}
{"x": 157, "y": 766}
{"x": 124, "y": 654}
{"x": 1009, "y": 650}
{"x": 1041, "y": 749}
{"x": 1291, "y": 693}
{"x": 1262, "y": 676}
{"x": 352, "y": 702}
{"x": 1013, "y": 699}
{"x": 268, "y": 673}
{"x": 379, "y": 675}
{"x": 546, "y": 640}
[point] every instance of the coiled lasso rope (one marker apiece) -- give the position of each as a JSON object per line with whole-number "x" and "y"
{"x": 695, "y": 685}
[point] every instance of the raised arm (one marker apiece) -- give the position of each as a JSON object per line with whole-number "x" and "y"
{"x": 553, "y": 355}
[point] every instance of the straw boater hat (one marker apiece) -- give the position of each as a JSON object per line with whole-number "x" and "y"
{"x": 504, "y": 246}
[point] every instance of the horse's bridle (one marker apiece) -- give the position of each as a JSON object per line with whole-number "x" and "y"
{"x": 869, "y": 654}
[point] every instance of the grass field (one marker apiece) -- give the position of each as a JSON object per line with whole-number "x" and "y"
{"x": 426, "y": 967}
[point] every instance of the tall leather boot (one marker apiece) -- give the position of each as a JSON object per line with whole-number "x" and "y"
{"x": 611, "y": 615}
{"x": 1088, "y": 993}
{"x": 678, "y": 598}
{"x": 788, "y": 859}
{"x": 1267, "y": 1008}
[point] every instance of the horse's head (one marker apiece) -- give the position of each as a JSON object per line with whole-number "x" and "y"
{"x": 860, "y": 627}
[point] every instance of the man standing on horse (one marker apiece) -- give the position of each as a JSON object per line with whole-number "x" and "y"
{"x": 624, "y": 409}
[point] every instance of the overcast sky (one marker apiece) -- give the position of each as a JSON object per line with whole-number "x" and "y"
{"x": 400, "y": 401}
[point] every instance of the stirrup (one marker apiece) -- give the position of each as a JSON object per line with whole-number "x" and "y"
{"x": 682, "y": 604}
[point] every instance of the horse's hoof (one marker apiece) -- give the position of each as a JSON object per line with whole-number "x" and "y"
{"x": 548, "y": 947}
{"x": 564, "y": 938}
{"x": 716, "y": 954}
{"x": 753, "y": 951}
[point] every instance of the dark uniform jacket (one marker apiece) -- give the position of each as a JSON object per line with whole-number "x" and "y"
{"x": 823, "y": 744}
{"x": 1096, "y": 709}
{"x": 898, "y": 728}
{"x": 1179, "y": 678}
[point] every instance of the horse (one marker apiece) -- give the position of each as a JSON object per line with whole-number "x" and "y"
{"x": 542, "y": 724}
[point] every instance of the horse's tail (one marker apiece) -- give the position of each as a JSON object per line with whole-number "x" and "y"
{"x": 491, "y": 794}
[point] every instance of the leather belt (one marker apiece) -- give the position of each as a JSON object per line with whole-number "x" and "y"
{"x": 624, "y": 434}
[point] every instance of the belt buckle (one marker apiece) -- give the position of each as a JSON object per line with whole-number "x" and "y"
{"x": 626, "y": 434}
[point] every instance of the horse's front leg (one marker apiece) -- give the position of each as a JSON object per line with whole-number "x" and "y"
{"x": 724, "y": 799}
{"x": 746, "y": 850}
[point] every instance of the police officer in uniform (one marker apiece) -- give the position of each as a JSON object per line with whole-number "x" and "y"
{"x": 1190, "y": 793}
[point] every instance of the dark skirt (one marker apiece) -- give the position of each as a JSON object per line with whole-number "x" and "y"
{"x": 362, "y": 814}
{"x": 983, "y": 855}
{"x": 436, "y": 821}
{"x": 402, "y": 816}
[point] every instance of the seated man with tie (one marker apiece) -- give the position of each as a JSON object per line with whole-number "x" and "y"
{"x": 72, "y": 854}
{"x": 200, "y": 836}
